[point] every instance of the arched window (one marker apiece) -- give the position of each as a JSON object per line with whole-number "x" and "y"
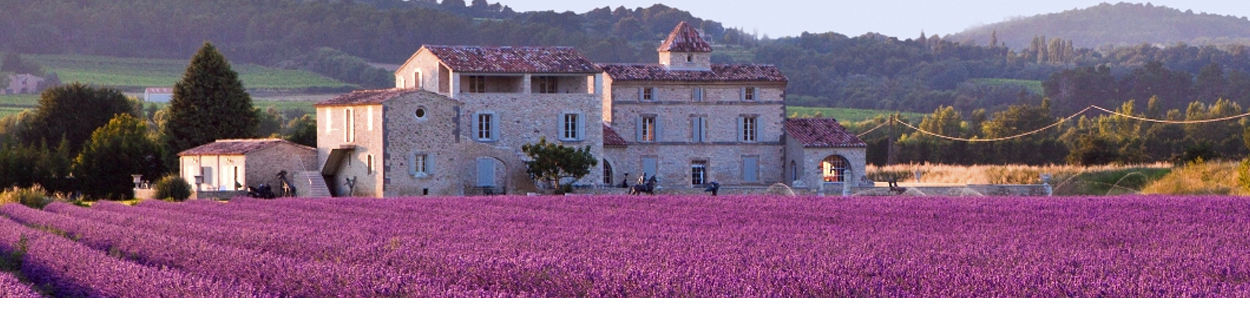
{"x": 834, "y": 169}
{"x": 607, "y": 172}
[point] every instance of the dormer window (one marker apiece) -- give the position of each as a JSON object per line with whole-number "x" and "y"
{"x": 689, "y": 58}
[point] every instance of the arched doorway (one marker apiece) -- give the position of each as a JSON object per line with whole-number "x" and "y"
{"x": 607, "y": 172}
{"x": 490, "y": 175}
{"x": 834, "y": 168}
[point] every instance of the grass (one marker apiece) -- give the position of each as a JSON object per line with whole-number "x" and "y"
{"x": 1199, "y": 178}
{"x": 1066, "y": 179}
{"x": 144, "y": 72}
{"x": 1034, "y": 87}
{"x": 845, "y": 115}
{"x": 23, "y": 100}
{"x": 6, "y": 111}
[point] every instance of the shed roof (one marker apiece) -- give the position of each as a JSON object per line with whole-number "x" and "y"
{"x": 684, "y": 38}
{"x": 508, "y": 59}
{"x": 366, "y": 97}
{"x": 719, "y": 73}
{"x": 611, "y": 138}
{"x": 821, "y": 133}
{"x": 236, "y": 147}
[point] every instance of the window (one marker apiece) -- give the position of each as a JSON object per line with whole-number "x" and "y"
{"x": 546, "y": 84}
{"x": 485, "y": 127}
{"x": 696, "y": 94}
{"x": 646, "y": 129}
{"x": 420, "y": 113}
{"x": 420, "y": 164}
{"x": 477, "y": 84}
{"x": 834, "y": 168}
{"x": 329, "y": 121}
{"x": 369, "y": 164}
{"x": 689, "y": 58}
{"x": 571, "y": 127}
{"x": 349, "y": 125}
{"x": 748, "y": 93}
{"x": 748, "y": 129}
{"x": 399, "y": 82}
{"x": 417, "y": 79}
{"x": 698, "y": 172}
{"x": 648, "y": 94}
{"x": 698, "y": 129}
{"x": 369, "y": 118}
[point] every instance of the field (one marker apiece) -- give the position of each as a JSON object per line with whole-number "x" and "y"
{"x": 1034, "y": 87}
{"x": 618, "y": 246}
{"x": 844, "y": 115}
{"x": 1066, "y": 179}
{"x": 142, "y": 72}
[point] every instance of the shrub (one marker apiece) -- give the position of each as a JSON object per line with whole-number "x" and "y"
{"x": 35, "y": 197}
{"x": 1198, "y": 178}
{"x": 172, "y": 188}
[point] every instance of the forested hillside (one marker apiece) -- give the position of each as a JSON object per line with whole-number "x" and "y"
{"x": 1121, "y": 24}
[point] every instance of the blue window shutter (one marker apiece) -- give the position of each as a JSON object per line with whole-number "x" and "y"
{"x": 429, "y": 164}
{"x": 750, "y": 169}
{"x": 649, "y": 167}
{"x": 474, "y": 121}
{"x": 742, "y": 94}
{"x": 659, "y": 130}
{"x": 581, "y": 127}
{"x": 741, "y": 126}
{"x": 638, "y": 129}
{"x": 494, "y": 127}
{"x": 640, "y": 94}
{"x": 485, "y": 172}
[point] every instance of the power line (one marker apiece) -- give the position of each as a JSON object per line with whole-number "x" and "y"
{"x": 1061, "y": 121}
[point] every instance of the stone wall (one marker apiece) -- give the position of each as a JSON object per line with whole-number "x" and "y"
{"x": 435, "y": 135}
{"x": 364, "y": 163}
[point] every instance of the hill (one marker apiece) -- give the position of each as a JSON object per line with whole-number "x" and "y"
{"x": 1121, "y": 24}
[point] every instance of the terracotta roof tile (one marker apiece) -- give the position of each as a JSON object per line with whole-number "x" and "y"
{"x": 719, "y": 73}
{"x": 366, "y": 97}
{"x": 235, "y": 147}
{"x": 505, "y": 59}
{"x": 684, "y": 38}
{"x": 821, "y": 133}
{"x": 611, "y": 138}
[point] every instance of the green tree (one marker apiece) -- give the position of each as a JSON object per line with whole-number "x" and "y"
{"x": 302, "y": 131}
{"x": 554, "y": 163}
{"x": 116, "y": 151}
{"x": 209, "y": 103}
{"x": 73, "y": 112}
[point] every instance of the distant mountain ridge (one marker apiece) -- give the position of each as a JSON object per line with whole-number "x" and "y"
{"x": 1121, "y": 24}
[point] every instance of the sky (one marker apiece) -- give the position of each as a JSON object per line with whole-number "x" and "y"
{"x": 896, "y": 18}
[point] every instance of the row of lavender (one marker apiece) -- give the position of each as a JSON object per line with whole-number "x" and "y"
{"x": 609, "y": 246}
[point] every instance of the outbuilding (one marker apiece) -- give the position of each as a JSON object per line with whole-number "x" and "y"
{"x": 231, "y": 165}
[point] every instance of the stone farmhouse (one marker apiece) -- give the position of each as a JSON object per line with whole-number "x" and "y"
{"x": 456, "y": 120}
{"x": 23, "y": 84}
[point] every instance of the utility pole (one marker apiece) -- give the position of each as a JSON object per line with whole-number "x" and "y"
{"x": 889, "y": 141}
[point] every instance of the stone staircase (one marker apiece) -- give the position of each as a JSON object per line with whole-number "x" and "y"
{"x": 310, "y": 184}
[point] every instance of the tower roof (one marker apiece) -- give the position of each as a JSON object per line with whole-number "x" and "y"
{"x": 684, "y": 38}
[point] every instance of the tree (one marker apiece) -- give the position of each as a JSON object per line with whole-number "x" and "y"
{"x": 73, "y": 112}
{"x": 116, "y": 151}
{"x": 209, "y": 103}
{"x": 554, "y": 162}
{"x": 302, "y": 131}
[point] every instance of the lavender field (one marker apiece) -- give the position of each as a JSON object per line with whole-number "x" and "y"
{"x": 617, "y": 246}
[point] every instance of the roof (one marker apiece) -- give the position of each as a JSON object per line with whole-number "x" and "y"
{"x": 821, "y": 133}
{"x": 159, "y": 90}
{"x": 366, "y": 97}
{"x": 611, "y": 138}
{"x": 684, "y": 38}
{"x": 719, "y": 73}
{"x": 236, "y": 147}
{"x": 507, "y": 59}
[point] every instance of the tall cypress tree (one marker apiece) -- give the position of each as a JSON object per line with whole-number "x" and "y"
{"x": 209, "y": 103}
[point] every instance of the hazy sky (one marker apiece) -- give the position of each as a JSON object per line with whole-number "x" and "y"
{"x": 898, "y": 18}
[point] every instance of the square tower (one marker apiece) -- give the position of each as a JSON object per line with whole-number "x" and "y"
{"x": 685, "y": 50}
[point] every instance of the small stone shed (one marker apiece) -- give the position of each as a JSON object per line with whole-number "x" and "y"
{"x": 821, "y": 154}
{"x": 235, "y": 164}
